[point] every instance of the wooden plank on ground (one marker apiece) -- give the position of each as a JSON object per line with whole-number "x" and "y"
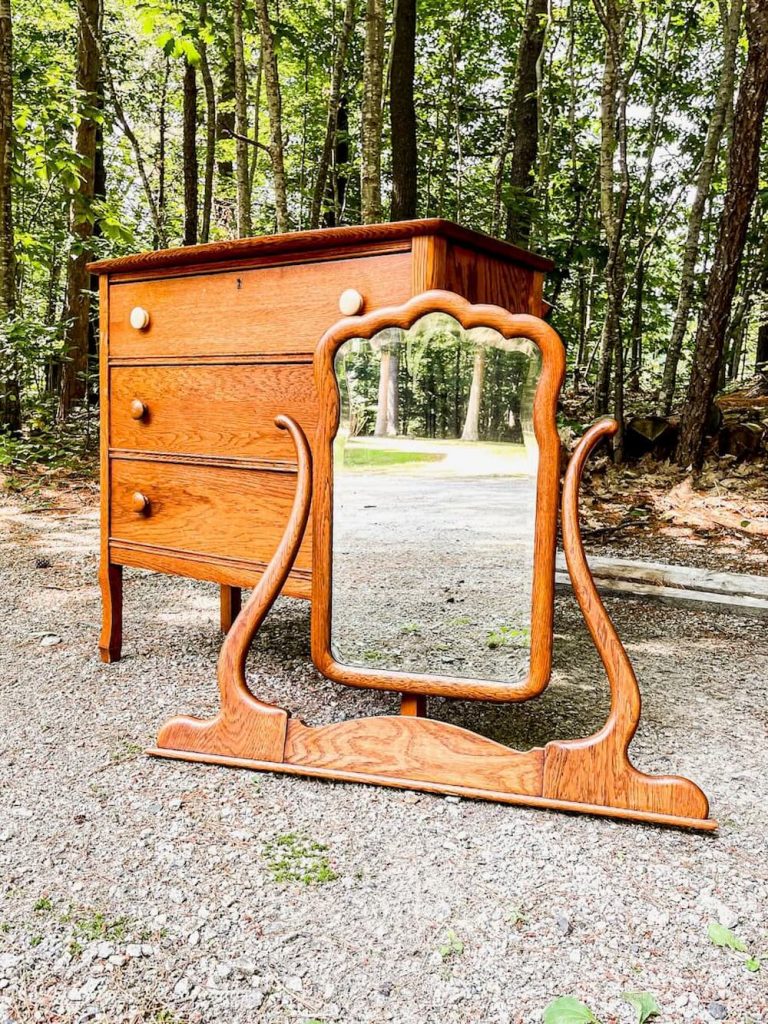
{"x": 675, "y": 584}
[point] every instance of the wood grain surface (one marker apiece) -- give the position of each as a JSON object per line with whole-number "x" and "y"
{"x": 231, "y": 513}
{"x": 226, "y": 411}
{"x": 283, "y": 309}
{"x": 318, "y": 243}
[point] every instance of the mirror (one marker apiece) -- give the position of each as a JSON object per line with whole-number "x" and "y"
{"x": 434, "y": 501}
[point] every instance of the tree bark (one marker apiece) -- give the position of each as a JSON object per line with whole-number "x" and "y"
{"x": 402, "y": 112}
{"x": 244, "y": 228}
{"x": 743, "y": 175}
{"x": 10, "y": 388}
{"x": 274, "y": 105}
{"x": 471, "y": 431}
{"x": 319, "y": 190}
{"x": 723, "y": 101}
{"x": 210, "y": 131}
{"x": 77, "y": 305}
{"x": 525, "y": 123}
{"x": 189, "y": 154}
{"x": 372, "y": 120}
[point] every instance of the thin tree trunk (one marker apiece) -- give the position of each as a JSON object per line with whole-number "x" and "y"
{"x": 244, "y": 228}
{"x": 161, "y": 161}
{"x": 372, "y": 120}
{"x": 210, "y": 132}
{"x": 743, "y": 175}
{"x": 10, "y": 387}
{"x": 471, "y": 431}
{"x": 403, "y": 112}
{"x": 189, "y": 154}
{"x": 319, "y": 190}
{"x": 78, "y": 302}
{"x": 525, "y": 122}
{"x": 723, "y": 101}
{"x": 274, "y": 104}
{"x": 226, "y": 201}
{"x": 339, "y": 180}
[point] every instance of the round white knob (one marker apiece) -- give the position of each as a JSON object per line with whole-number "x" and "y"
{"x": 139, "y": 318}
{"x": 350, "y": 302}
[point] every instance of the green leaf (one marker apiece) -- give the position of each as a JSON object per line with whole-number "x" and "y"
{"x": 644, "y": 1003}
{"x": 752, "y": 963}
{"x": 722, "y": 936}
{"x": 567, "y": 1010}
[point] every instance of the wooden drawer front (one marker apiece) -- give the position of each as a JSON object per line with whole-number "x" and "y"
{"x": 273, "y": 309}
{"x": 207, "y": 510}
{"x": 226, "y": 411}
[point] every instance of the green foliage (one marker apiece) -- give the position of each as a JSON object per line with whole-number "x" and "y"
{"x": 722, "y": 936}
{"x": 508, "y": 636}
{"x": 568, "y": 1010}
{"x": 451, "y": 946}
{"x": 644, "y": 1003}
{"x": 43, "y": 904}
{"x": 296, "y": 858}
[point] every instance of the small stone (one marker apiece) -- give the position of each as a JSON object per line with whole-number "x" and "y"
{"x": 386, "y": 988}
{"x": 194, "y": 938}
{"x": 118, "y": 960}
{"x": 8, "y": 961}
{"x": 133, "y": 950}
{"x": 146, "y": 949}
{"x": 294, "y": 984}
{"x": 563, "y": 925}
{"x": 175, "y": 805}
{"x": 728, "y": 918}
{"x": 105, "y": 950}
{"x": 252, "y": 1000}
{"x": 223, "y": 970}
{"x": 74, "y": 995}
{"x": 452, "y": 799}
{"x": 50, "y": 640}
{"x": 177, "y": 896}
{"x": 182, "y": 987}
{"x": 245, "y": 967}
{"x": 717, "y": 1011}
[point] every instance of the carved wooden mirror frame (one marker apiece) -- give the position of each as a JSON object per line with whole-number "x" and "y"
{"x": 509, "y": 325}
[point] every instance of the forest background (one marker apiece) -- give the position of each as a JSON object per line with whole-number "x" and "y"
{"x": 622, "y": 138}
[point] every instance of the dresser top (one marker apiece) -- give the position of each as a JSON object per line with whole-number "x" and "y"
{"x": 323, "y": 243}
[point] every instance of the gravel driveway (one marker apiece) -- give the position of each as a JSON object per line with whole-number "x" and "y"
{"x": 136, "y": 890}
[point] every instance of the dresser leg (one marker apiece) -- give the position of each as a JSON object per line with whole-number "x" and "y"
{"x": 231, "y": 600}
{"x": 111, "y": 640}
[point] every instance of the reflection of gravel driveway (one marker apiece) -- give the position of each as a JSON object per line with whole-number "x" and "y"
{"x": 141, "y": 891}
{"x": 433, "y": 574}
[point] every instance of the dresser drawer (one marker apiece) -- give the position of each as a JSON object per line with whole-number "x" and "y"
{"x": 283, "y": 309}
{"x": 222, "y": 411}
{"x": 237, "y": 514}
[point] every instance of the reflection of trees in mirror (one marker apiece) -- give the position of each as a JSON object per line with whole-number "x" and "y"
{"x": 434, "y": 501}
{"x": 438, "y": 380}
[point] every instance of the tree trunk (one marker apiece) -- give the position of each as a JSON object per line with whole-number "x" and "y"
{"x": 77, "y": 306}
{"x": 189, "y": 154}
{"x": 210, "y": 132}
{"x": 336, "y": 190}
{"x": 471, "y": 431}
{"x": 372, "y": 120}
{"x": 244, "y": 228}
{"x": 388, "y": 397}
{"x": 761, "y": 353}
{"x": 10, "y": 394}
{"x": 723, "y": 101}
{"x": 403, "y": 112}
{"x": 319, "y": 190}
{"x": 161, "y": 158}
{"x": 743, "y": 175}
{"x": 274, "y": 104}
{"x": 525, "y": 123}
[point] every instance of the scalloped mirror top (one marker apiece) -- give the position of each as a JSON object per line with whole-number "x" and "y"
{"x": 435, "y": 466}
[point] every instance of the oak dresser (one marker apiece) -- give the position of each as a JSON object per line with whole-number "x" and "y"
{"x": 202, "y": 347}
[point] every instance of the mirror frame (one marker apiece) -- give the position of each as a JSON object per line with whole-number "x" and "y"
{"x": 509, "y": 325}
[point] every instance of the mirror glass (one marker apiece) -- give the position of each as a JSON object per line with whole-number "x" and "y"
{"x": 435, "y": 466}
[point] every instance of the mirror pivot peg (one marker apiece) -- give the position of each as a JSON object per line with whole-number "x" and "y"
{"x": 139, "y": 502}
{"x": 139, "y": 318}
{"x": 351, "y": 302}
{"x": 138, "y": 409}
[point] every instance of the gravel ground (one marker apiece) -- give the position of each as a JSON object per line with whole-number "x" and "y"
{"x": 136, "y": 890}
